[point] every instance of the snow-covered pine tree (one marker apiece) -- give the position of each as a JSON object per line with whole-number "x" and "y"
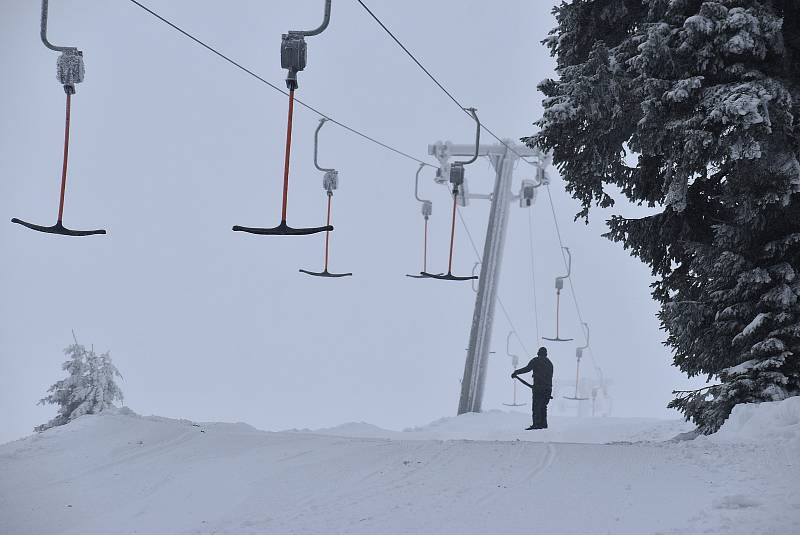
{"x": 706, "y": 95}
{"x": 89, "y": 388}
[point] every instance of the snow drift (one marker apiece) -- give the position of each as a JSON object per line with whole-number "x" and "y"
{"x": 776, "y": 421}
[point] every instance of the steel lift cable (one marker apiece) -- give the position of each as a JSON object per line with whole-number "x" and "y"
{"x": 571, "y": 286}
{"x": 533, "y": 275}
{"x": 70, "y": 71}
{"x": 514, "y": 366}
{"x": 559, "y": 287}
{"x": 330, "y": 182}
{"x": 332, "y": 120}
{"x": 427, "y": 211}
{"x": 578, "y": 356}
{"x": 457, "y": 180}
{"x": 293, "y": 59}
{"x": 275, "y": 87}
{"x": 433, "y": 78}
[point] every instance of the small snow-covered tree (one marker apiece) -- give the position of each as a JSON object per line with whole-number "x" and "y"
{"x": 706, "y": 95}
{"x": 89, "y": 388}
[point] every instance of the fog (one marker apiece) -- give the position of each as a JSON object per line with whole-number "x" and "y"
{"x": 171, "y": 146}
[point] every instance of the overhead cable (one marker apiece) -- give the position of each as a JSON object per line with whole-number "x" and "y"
{"x": 533, "y": 274}
{"x": 435, "y": 80}
{"x": 349, "y": 128}
{"x": 275, "y": 87}
{"x": 571, "y": 286}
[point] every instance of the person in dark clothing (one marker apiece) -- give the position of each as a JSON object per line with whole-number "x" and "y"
{"x": 542, "y": 370}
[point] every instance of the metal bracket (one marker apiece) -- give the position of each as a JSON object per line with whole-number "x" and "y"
{"x": 527, "y": 193}
{"x": 294, "y": 50}
{"x": 560, "y": 280}
{"x": 70, "y": 69}
{"x": 330, "y": 181}
{"x": 579, "y": 350}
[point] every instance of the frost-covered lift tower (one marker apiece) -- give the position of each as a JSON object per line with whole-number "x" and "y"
{"x": 503, "y": 157}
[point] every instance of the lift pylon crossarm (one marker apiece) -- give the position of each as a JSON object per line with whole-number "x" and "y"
{"x": 43, "y": 33}
{"x": 559, "y": 287}
{"x": 321, "y": 28}
{"x": 70, "y": 71}
{"x": 294, "y": 50}
{"x": 457, "y": 181}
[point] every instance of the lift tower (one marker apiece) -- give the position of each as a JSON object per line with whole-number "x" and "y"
{"x": 503, "y": 158}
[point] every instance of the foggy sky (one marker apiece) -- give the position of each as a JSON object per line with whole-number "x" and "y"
{"x": 171, "y": 146}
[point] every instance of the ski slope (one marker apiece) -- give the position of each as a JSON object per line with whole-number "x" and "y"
{"x": 121, "y": 473}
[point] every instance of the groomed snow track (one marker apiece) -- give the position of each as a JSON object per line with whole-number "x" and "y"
{"x": 121, "y": 473}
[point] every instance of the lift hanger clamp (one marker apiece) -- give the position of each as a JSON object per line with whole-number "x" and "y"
{"x": 70, "y": 69}
{"x": 294, "y": 50}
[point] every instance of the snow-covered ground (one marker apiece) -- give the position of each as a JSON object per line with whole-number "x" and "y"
{"x": 121, "y": 473}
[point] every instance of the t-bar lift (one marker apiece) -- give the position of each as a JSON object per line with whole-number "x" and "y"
{"x": 457, "y": 181}
{"x": 70, "y": 71}
{"x": 293, "y": 59}
{"x": 330, "y": 182}
{"x": 559, "y": 287}
{"x": 578, "y": 356}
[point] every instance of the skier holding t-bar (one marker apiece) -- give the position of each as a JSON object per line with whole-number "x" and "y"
{"x": 542, "y": 386}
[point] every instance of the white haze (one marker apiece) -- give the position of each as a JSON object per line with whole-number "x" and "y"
{"x": 171, "y": 146}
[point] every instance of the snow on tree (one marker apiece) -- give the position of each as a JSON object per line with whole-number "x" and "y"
{"x": 90, "y": 387}
{"x": 706, "y": 96}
